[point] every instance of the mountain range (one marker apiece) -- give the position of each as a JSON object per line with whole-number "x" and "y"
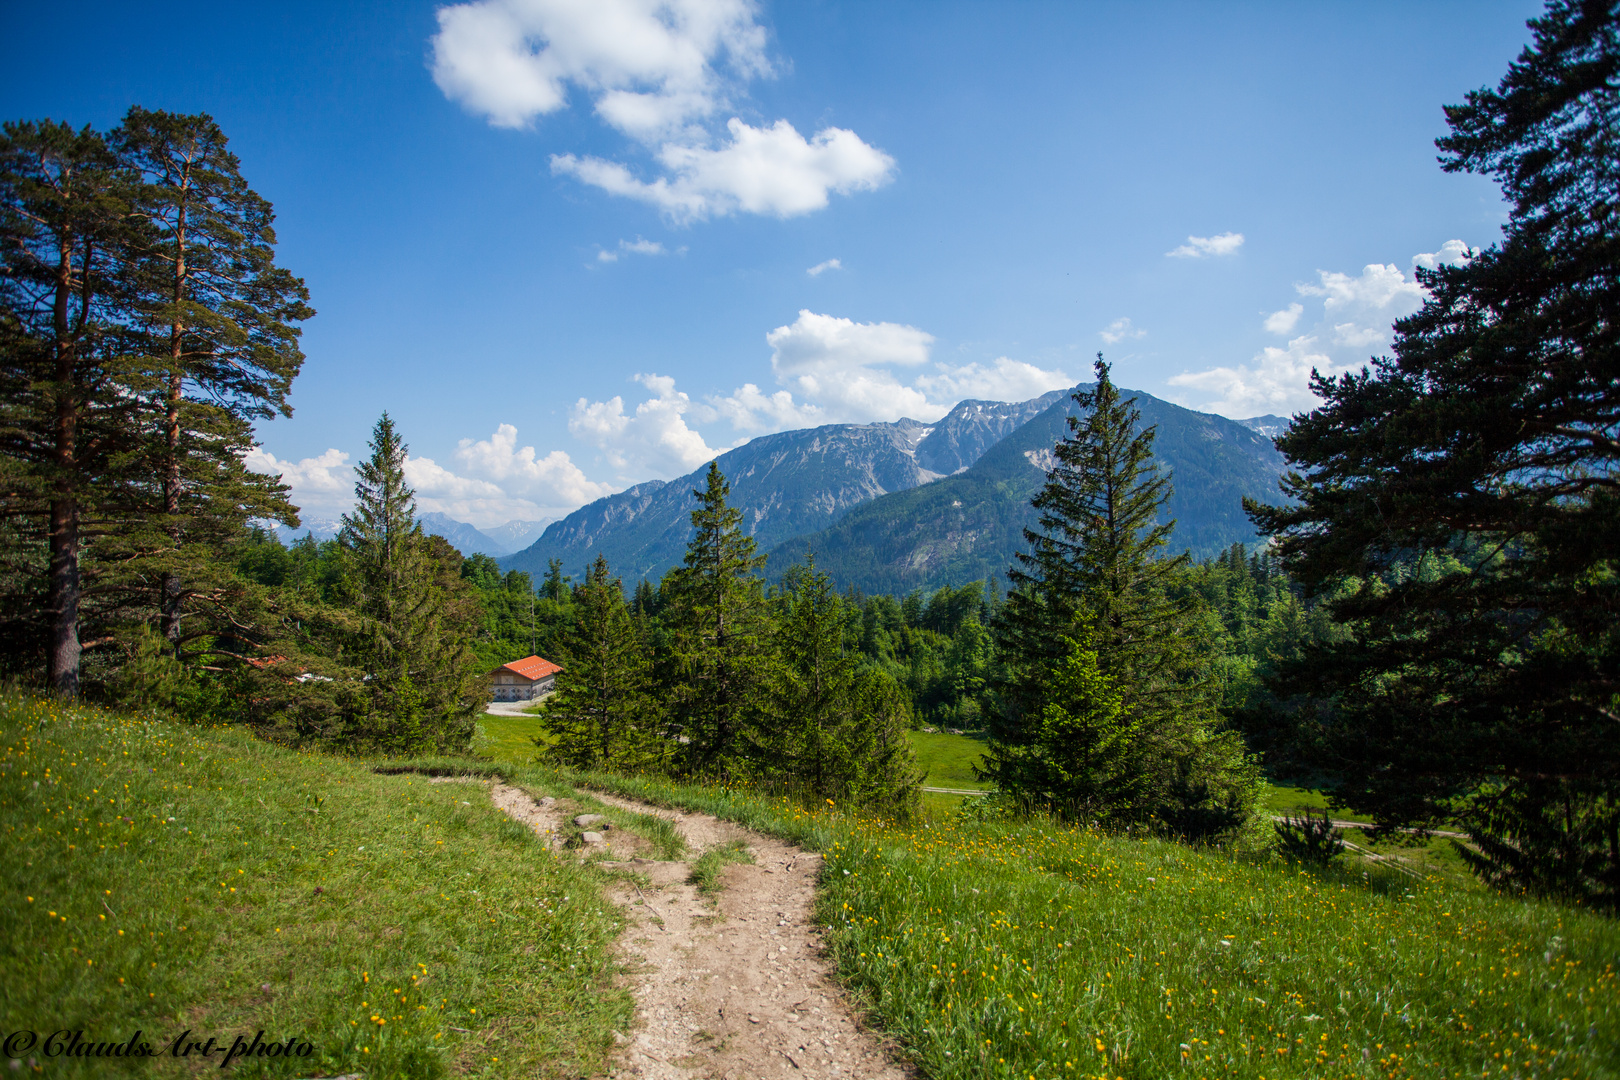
{"x": 888, "y": 507}
{"x": 970, "y": 526}
{"x": 502, "y": 540}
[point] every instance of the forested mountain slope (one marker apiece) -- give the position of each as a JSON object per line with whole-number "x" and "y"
{"x": 968, "y": 527}
{"x": 787, "y": 484}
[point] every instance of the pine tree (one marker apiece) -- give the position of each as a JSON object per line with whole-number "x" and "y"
{"x": 1458, "y": 504}
{"x": 417, "y": 614}
{"x": 221, "y": 342}
{"x": 603, "y": 715}
{"x": 1094, "y": 612}
{"x": 717, "y": 614}
{"x": 66, "y": 412}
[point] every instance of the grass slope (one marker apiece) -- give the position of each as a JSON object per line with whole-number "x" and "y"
{"x": 1019, "y": 951}
{"x": 162, "y": 878}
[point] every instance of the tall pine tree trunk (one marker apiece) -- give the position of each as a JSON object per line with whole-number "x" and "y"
{"x": 63, "y": 592}
{"x": 171, "y": 585}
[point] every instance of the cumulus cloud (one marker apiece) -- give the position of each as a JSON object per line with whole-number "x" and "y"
{"x": 843, "y": 366}
{"x": 654, "y": 439}
{"x": 1198, "y": 247}
{"x": 1357, "y": 315}
{"x": 1275, "y": 381}
{"x": 1120, "y": 330}
{"x": 751, "y": 410}
{"x": 322, "y": 485}
{"x": 638, "y": 246}
{"x": 1284, "y": 321}
{"x": 651, "y": 66}
{"x": 822, "y": 267}
{"x": 658, "y": 71}
{"x": 549, "y": 480}
{"x": 1003, "y": 379}
{"x": 1451, "y": 253}
{"x": 765, "y": 170}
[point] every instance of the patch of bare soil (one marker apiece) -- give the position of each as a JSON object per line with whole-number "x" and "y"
{"x": 737, "y": 988}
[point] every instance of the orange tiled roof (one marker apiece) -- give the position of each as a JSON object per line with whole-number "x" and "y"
{"x": 533, "y": 668}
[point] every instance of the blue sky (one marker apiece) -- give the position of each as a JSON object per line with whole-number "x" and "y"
{"x": 574, "y": 244}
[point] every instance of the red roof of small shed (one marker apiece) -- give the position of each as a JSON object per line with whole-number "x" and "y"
{"x": 533, "y": 668}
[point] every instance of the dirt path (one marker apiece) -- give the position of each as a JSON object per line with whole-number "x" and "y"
{"x": 734, "y": 988}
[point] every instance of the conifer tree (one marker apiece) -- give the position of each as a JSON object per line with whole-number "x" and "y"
{"x": 603, "y": 715}
{"x": 1093, "y": 609}
{"x": 717, "y": 615}
{"x": 66, "y": 414}
{"x": 218, "y": 318}
{"x": 835, "y": 729}
{"x": 1457, "y": 504}
{"x": 417, "y": 614}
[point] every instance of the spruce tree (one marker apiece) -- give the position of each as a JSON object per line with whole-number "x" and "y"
{"x": 1094, "y": 611}
{"x": 831, "y": 728}
{"x": 1457, "y": 504}
{"x": 416, "y": 613}
{"x": 716, "y": 611}
{"x": 603, "y": 714}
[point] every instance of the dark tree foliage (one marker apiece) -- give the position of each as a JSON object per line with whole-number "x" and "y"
{"x": 1460, "y": 501}
{"x": 718, "y": 652}
{"x": 1104, "y": 711}
{"x": 144, "y": 326}
{"x": 833, "y": 726}
{"x": 416, "y": 614}
{"x": 603, "y": 714}
{"x": 216, "y": 324}
{"x": 67, "y": 421}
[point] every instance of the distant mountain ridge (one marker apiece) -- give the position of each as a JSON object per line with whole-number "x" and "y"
{"x": 1268, "y": 425}
{"x": 969, "y": 526}
{"x": 463, "y": 537}
{"x": 786, "y": 484}
{"x": 516, "y": 535}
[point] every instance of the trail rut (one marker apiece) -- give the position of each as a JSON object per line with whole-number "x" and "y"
{"x": 733, "y": 988}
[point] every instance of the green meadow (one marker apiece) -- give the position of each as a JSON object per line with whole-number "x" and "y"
{"x": 1038, "y": 950}
{"x": 164, "y": 878}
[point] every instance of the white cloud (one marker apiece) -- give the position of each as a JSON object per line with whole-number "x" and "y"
{"x": 1003, "y": 379}
{"x": 842, "y": 366}
{"x": 831, "y": 370}
{"x": 1284, "y": 321}
{"x": 652, "y": 66}
{"x": 324, "y": 484}
{"x": 822, "y": 267}
{"x": 1120, "y": 330}
{"x": 1451, "y": 253}
{"x": 1381, "y": 291}
{"x": 658, "y": 71}
{"x": 1275, "y": 381}
{"x": 1357, "y": 315}
{"x": 549, "y": 481}
{"x": 654, "y": 439}
{"x": 765, "y": 170}
{"x": 635, "y": 247}
{"x": 1197, "y": 247}
{"x": 749, "y": 409}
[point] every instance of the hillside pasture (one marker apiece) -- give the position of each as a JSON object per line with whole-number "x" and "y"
{"x": 164, "y": 878}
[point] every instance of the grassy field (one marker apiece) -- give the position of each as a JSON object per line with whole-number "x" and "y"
{"x": 166, "y": 878}
{"x": 1018, "y": 951}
